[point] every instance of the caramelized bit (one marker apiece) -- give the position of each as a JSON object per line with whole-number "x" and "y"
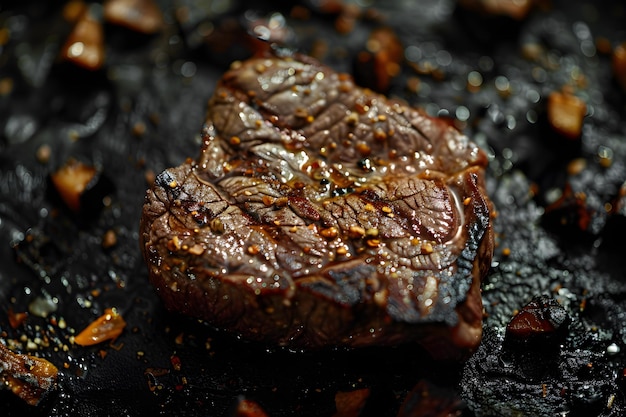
{"x": 347, "y": 18}
{"x": 142, "y": 16}
{"x": 363, "y": 148}
{"x": 174, "y": 244}
{"x": 373, "y": 243}
{"x": 43, "y": 154}
{"x": 26, "y": 376}
{"x": 109, "y": 239}
{"x": 73, "y": 10}
{"x": 268, "y": 201}
{"x": 380, "y": 62}
{"x": 71, "y": 180}
{"x": 281, "y": 201}
{"x": 515, "y": 9}
{"x": 566, "y": 113}
{"x": 329, "y": 233}
{"x": 427, "y": 248}
{"x": 16, "y": 319}
{"x": 380, "y": 134}
{"x": 85, "y": 45}
{"x": 357, "y": 231}
{"x": 196, "y": 250}
{"x": 576, "y": 166}
{"x": 301, "y": 113}
{"x": 139, "y": 129}
{"x": 352, "y": 119}
{"x": 106, "y": 327}
{"x": 249, "y": 408}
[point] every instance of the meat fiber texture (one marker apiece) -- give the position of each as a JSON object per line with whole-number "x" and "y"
{"x": 320, "y": 214}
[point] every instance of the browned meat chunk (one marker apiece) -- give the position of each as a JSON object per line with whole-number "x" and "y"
{"x": 26, "y": 376}
{"x": 321, "y": 214}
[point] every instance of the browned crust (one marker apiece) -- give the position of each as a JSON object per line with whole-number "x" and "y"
{"x": 200, "y": 265}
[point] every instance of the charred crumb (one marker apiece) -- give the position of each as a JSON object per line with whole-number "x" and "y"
{"x": 534, "y": 338}
{"x": 542, "y": 324}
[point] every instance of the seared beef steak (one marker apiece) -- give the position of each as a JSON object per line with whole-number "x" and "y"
{"x": 321, "y": 214}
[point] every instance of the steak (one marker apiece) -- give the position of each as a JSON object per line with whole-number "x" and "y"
{"x": 320, "y": 214}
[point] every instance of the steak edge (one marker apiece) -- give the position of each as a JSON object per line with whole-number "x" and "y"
{"x": 319, "y": 214}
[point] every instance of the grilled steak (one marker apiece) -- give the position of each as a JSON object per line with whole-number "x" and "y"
{"x": 321, "y": 214}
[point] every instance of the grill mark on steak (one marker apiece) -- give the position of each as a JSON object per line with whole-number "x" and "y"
{"x": 321, "y": 214}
